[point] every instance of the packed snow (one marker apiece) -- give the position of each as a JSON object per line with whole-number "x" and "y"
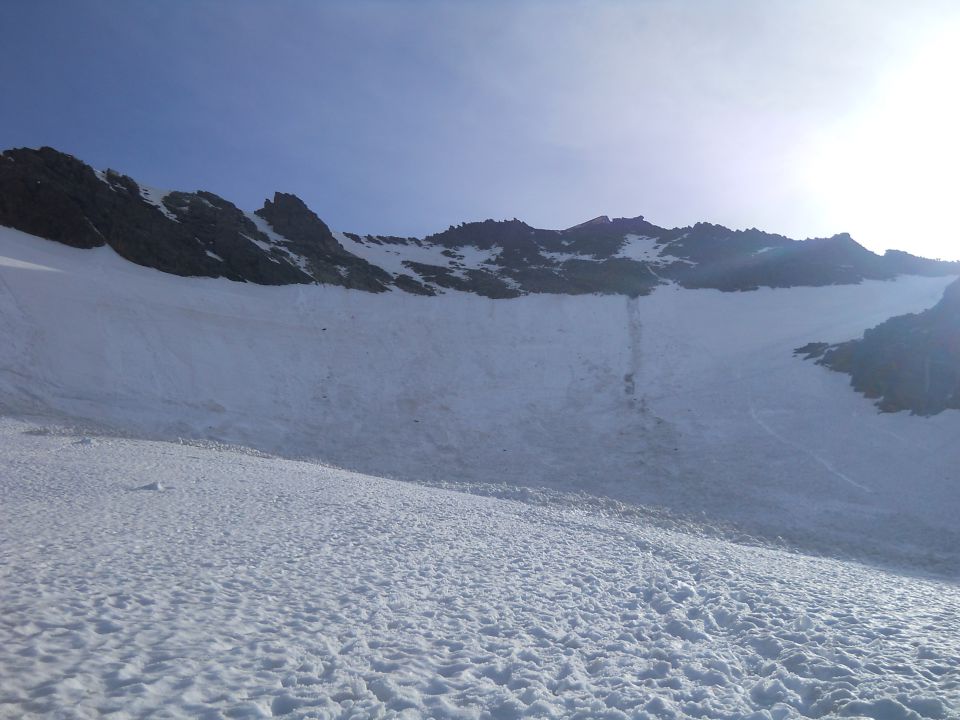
{"x": 690, "y": 401}
{"x": 152, "y": 579}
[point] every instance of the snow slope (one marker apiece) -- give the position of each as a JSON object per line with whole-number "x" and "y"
{"x": 147, "y": 579}
{"x": 689, "y": 400}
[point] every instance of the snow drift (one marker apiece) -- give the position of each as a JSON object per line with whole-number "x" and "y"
{"x": 257, "y": 587}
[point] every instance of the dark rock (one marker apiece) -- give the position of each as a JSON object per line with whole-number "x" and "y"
{"x": 479, "y": 282}
{"x": 290, "y": 217}
{"x": 408, "y": 284}
{"x": 599, "y": 220}
{"x": 46, "y": 193}
{"x": 309, "y": 237}
{"x": 813, "y": 350}
{"x": 747, "y": 260}
{"x": 907, "y": 264}
{"x": 55, "y": 196}
{"x": 910, "y": 362}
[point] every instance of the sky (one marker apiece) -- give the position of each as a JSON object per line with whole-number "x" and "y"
{"x": 402, "y": 117}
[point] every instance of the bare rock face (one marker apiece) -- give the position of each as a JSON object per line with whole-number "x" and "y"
{"x": 910, "y": 362}
{"x": 291, "y": 217}
{"x": 47, "y": 193}
{"x": 309, "y": 237}
{"x": 55, "y": 196}
{"x": 230, "y": 239}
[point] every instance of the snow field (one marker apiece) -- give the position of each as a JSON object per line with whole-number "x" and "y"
{"x": 689, "y": 401}
{"x": 249, "y": 586}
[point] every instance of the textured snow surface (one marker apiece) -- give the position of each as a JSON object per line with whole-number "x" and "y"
{"x": 686, "y": 400}
{"x": 149, "y": 579}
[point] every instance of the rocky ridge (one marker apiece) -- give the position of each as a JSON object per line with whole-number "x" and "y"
{"x": 910, "y": 362}
{"x": 53, "y": 195}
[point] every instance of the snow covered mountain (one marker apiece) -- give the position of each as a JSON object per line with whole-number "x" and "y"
{"x": 612, "y": 358}
{"x": 656, "y": 462}
{"x": 56, "y": 196}
{"x": 53, "y": 195}
{"x": 685, "y": 399}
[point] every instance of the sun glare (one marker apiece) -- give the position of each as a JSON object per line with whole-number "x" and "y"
{"x": 889, "y": 175}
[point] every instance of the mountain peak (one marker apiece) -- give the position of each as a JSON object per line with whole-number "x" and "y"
{"x": 599, "y": 220}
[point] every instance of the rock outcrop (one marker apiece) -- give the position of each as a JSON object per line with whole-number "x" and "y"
{"x": 910, "y": 362}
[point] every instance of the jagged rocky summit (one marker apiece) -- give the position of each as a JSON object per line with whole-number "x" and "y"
{"x": 56, "y": 196}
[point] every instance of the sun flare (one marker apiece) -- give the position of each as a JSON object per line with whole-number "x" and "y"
{"x": 889, "y": 175}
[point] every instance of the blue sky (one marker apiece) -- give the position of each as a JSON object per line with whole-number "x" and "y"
{"x": 405, "y": 117}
